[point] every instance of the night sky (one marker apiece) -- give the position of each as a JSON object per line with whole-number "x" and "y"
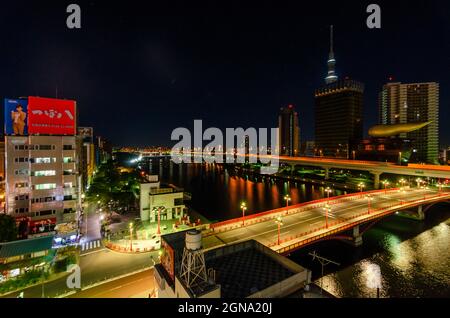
{"x": 139, "y": 69}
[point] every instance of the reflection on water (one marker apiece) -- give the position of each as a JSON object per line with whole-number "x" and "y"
{"x": 218, "y": 193}
{"x": 413, "y": 258}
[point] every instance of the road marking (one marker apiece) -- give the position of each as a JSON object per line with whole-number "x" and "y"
{"x": 91, "y": 245}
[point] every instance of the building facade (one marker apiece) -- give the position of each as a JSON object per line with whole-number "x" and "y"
{"x": 155, "y": 199}
{"x": 41, "y": 182}
{"x": 87, "y": 155}
{"x": 413, "y": 103}
{"x": 338, "y": 118}
{"x": 289, "y": 132}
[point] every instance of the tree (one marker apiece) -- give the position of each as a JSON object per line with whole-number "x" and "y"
{"x": 8, "y": 228}
{"x": 112, "y": 185}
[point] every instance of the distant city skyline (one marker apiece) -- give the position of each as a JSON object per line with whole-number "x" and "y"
{"x": 140, "y": 71}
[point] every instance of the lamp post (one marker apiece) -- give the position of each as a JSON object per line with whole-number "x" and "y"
{"x": 361, "y": 186}
{"x": 327, "y": 210}
{"x": 369, "y": 198}
{"x": 439, "y": 184}
{"x": 279, "y": 223}
{"x": 386, "y": 183}
{"x": 244, "y": 208}
{"x": 131, "y": 236}
{"x": 419, "y": 182}
{"x": 328, "y": 191}
{"x": 402, "y": 182}
{"x": 287, "y": 198}
{"x": 159, "y": 221}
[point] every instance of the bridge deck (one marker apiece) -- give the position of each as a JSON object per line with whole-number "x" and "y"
{"x": 305, "y": 223}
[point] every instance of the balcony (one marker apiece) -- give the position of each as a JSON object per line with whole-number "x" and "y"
{"x": 45, "y": 166}
{"x": 69, "y": 166}
{"x": 161, "y": 191}
{"x": 44, "y": 179}
{"x": 52, "y": 205}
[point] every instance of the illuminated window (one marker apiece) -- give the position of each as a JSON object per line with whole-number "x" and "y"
{"x": 21, "y": 185}
{"x": 21, "y": 172}
{"x": 45, "y": 160}
{"x": 45, "y": 186}
{"x": 44, "y": 173}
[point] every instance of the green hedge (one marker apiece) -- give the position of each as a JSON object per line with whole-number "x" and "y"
{"x": 29, "y": 278}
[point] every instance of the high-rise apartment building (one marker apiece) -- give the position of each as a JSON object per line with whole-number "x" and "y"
{"x": 41, "y": 165}
{"x": 87, "y": 155}
{"x": 338, "y": 113}
{"x": 413, "y": 103}
{"x": 289, "y": 132}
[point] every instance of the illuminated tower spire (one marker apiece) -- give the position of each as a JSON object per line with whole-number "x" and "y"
{"x": 331, "y": 76}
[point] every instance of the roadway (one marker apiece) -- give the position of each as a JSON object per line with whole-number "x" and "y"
{"x": 139, "y": 285}
{"x": 294, "y": 224}
{"x": 95, "y": 267}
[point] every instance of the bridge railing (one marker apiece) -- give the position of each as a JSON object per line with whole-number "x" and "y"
{"x": 370, "y": 215}
{"x": 235, "y": 223}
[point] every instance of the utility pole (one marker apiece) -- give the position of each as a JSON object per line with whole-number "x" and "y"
{"x": 323, "y": 261}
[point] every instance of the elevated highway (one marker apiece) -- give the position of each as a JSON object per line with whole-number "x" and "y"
{"x": 376, "y": 168}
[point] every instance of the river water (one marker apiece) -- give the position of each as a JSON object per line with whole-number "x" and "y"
{"x": 413, "y": 256}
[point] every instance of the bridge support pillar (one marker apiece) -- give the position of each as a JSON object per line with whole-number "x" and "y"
{"x": 376, "y": 179}
{"x": 420, "y": 213}
{"x": 327, "y": 173}
{"x": 357, "y": 237}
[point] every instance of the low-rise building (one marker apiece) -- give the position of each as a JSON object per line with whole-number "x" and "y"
{"x": 242, "y": 270}
{"x": 165, "y": 200}
{"x": 16, "y": 257}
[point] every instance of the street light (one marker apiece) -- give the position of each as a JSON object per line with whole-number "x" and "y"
{"x": 131, "y": 236}
{"x": 244, "y": 208}
{"x": 369, "y": 198}
{"x": 287, "y": 198}
{"x": 402, "y": 182}
{"x": 419, "y": 182}
{"x": 279, "y": 222}
{"x": 439, "y": 184}
{"x": 328, "y": 191}
{"x": 386, "y": 183}
{"x": 361, "y": 186}
{"x": 327, "y": 210}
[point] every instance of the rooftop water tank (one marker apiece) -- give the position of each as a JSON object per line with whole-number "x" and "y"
{"x": 193, "y": 240}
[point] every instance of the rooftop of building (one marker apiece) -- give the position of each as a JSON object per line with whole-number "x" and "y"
{"x": 340, "y": 85}
{"x": 22, "y": 247}
{"x": 240, "y": 269}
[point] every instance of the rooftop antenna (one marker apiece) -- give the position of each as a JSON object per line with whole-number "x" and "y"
{"x": 323, "y": 261}
{"x": 331, "y": 75}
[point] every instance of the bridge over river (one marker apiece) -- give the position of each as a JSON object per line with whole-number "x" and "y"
{"x": 344, "y": 217}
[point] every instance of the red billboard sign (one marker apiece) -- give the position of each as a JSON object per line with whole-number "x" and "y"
{"x": 48, "y": 116}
